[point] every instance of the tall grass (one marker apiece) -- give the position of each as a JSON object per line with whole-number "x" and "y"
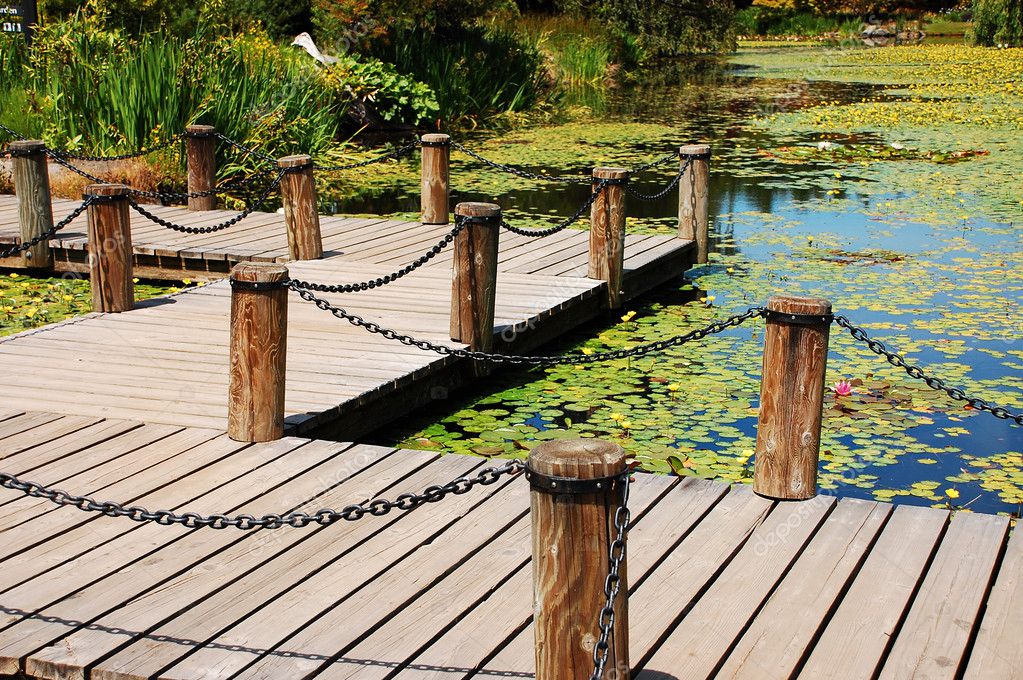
{"x": 474, "y": 73}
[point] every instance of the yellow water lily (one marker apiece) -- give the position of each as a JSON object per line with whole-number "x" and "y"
{"x": 952, "y": 493}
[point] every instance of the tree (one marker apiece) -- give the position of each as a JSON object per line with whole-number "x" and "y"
{"x": 672, "y": 26}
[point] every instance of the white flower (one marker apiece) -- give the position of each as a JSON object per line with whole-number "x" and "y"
{"x": 825, "y": 146}
{"x": 897, "y": 146}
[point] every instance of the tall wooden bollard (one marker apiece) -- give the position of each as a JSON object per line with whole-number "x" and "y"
{"x": 607, "y": 233}
{"x": 791, "y": 397}
{"x": 32, "y": 187}
{"x": 110, "y": 250}
{"x": 201, "y": 152}
{"x": 575, "y": 494}
{"x": 259, "y": 346}
{"x": 693, "y": 190}
{"x": 298, "y": 194}
{"x": 474, "y": 276}
{"x": 436, "y": 158}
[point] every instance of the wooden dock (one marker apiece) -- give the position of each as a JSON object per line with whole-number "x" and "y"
{"x": 724, "y": 583}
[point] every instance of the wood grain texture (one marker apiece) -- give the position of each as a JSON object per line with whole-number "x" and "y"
{"x": 201, "y": 152}
{"x": 474, "y": 276}
{"x": 607, "y": 234}
{"x": 693, "y": 200}
{"x": 258, "y": 354}
{"x": 791, "y": 401}
{"x": 435, "y": 179}
{"x": 298, "y": 196}
{"x": 571, "y": 539}
{"x": 110, "y": 251}
{"x": 997, "y": 653}
{"x": 32, "y": 187}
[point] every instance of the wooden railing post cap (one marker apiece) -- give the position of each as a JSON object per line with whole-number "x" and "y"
{"x": 478, "y": 209}
{"x": 199, "y": 129}
{"x": 610, "y": 173}
{"x": 694, "y": 149}
{"x": 578, "y": 458}
{"x": 435, "y": 138}
{"x": 296, "y": 161}
{"x": 259, "y": 272}
{"x": 106, "y": 190}
{"x": 27, "y": 146}
{"x": 795, "y": 304}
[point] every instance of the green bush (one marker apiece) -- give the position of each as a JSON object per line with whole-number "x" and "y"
{"x": 998, "y": 22}
{"x": 768, "y": 21}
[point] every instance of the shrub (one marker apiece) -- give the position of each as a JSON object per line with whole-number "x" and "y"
{"x": 998, "y": 22}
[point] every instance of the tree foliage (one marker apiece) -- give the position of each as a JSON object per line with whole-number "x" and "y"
{"x": 998, "y": 22}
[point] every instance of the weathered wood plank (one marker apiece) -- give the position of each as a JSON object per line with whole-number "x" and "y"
{"x": 997, "y": 653}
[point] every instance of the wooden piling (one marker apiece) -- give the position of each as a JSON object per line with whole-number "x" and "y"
{"x": 436, "y": 159}
{"x": 791, "y": 397}
{"x": 110, "y": 249}
{"x": 259, "y": 342}
{"x": 607, "y": 233}
{"x": 298, "y": 194}
{"x": 201, "y": 152}
{"x": 32, "y": 187}
{"x": 474, "y": 276}
{"x": 693, "y": 190}
{"x": 572, "y": 531}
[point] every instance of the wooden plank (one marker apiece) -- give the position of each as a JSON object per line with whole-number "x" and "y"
{"x": 934, "y": 637}
{"x": 858, "y": 634}
{"x": 702, "y": 640}
{"x": 43, "y": 457}
{"x": 997, "y": 653}
{"x": 803, "y": 600}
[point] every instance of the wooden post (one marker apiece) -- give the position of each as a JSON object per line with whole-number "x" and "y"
{"x": 436, "y": 160}
{"x": 35, "y": 211}
{"x": 201, "y": 152}
{"x": 693, "y": 218}
{"x": 259, "y": 345}
{"x": 607, "y": 234}
{"x": 474, "y": 276}
{"x": 791, "y": 397}
{"x": 298, "y": 194}
{"x": 572, "y": 531}
{"x": 110, "y": 250}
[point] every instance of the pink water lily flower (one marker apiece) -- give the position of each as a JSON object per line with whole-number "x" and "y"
{"x": 842, "y": 388}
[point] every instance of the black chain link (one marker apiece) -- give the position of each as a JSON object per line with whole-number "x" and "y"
{"x": 249, "y": 209}
{"x": 663, "y": 192}
{"x": 12, "y": 133}
{"x": 613, "y": 583}
{"x": 570, "y": 179}
{"x": 539, "y": 233}
{"x": 377, "y": 507}
{"x": 69, "y": 156}
{"x": 896, "y": 359}
{"x": 49, "y": 233}
{"x": 653, "y": 164}
{"x": 444, "y": 350}
{"x": 390, "y": 155}
{"x": 460, "y": 223}
{"x": 245, "y": 149}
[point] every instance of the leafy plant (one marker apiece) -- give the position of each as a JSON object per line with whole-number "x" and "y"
{"x": 998, "y": 22}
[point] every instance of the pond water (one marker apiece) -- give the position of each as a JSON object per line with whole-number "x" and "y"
{"x": 916, "y": 244}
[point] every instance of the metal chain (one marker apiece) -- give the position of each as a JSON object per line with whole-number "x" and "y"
{"x": 426, "y": 345}
{"x": 898, "y": 361}
{"x": 12, "y": 133}
{"x": 653, "y": 164}
{"x": 377, "y": 507}
{"x": 244, "y": 149}
{"x": 460, "y": 223}
{"x": 613, "y": 583}
{"x": 518, "y": 171}
{"x": 395, "y": 154}
{"x": 537, "y": 233}
{"x": 249, "y": 209}
{"x": 663, "y": 192}
{"x": 49, "y": 233}
{"x": 122, "y": 157}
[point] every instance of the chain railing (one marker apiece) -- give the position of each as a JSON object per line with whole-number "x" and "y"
{"x": 51, "y": 232}
{"x": 145, "y": 151}
{"x": 460, "y": 224}
{"x": 663, "y": 192}
{"x": 897, "y": 360}
{"x": 613, "y": 582}
{"x": 249, "y": 209}
{"x": 350, "y": 513}
{"x": 511, "y": 169}
{"x": 530, "y": 360}
{"x": 400, "y": 152}
{"x": 564, "y": 224}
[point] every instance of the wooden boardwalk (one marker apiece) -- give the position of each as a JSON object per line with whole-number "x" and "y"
{"x": 161, "y": 253}
{"x": 724, "y": 584}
